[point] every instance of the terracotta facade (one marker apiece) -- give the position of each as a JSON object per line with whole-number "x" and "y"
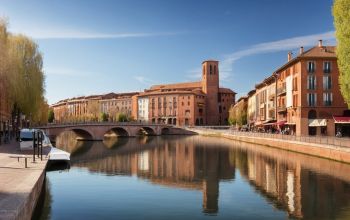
{"x": 306, "y": 97}
{"x": 193, "y": 103}
{"x": 182, "y": 104}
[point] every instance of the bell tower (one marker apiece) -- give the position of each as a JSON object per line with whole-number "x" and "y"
{"x": 210, "y": 86}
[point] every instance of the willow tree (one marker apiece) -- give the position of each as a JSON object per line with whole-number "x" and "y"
{"x": 26, "y": 76}
{"x": 3, "y": 67}
{"x": 341, "y": 13}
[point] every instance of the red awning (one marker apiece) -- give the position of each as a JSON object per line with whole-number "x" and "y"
{"x": 341, "y": 119}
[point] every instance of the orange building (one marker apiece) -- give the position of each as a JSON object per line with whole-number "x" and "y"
{"x": 302, "y": 97}
{"x": 90, "y": 108}
{"x": 308, "y": 92}
{"x": 192, "y": 103}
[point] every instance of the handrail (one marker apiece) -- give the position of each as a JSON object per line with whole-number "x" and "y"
{"x": 327, "y": 140}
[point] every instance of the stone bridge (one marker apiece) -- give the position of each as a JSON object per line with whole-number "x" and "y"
{"x": 97, "y": 131}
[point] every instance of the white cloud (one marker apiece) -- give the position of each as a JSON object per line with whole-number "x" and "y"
{"x": 194, "y": 73}
{"x": 280, "y": 45}
{"x": 226, "y": 64}
{"x": 64, "y": 33}
{"x": 144, "y": 80}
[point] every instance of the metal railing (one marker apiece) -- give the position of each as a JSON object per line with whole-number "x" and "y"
{"x": 325, "y": 140}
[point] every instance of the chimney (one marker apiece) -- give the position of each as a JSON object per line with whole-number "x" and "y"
{"x": 301, "y": 50}
{"x": 289, "y": 56}
{"x": 319, "y": 43}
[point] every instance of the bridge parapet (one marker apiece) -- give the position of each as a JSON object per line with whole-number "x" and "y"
{"x": 97, "y": 131}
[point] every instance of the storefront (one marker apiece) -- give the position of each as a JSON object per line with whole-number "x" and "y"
{"x": 291, "y": 127}
{"x": 342, "y": 125}
{"x": 317, "y": 126}
{"x": 270, "y": 126}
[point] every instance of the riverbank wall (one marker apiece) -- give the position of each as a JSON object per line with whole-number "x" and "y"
{"x": 332, "y": 152}
{"x": 20, "y": 187}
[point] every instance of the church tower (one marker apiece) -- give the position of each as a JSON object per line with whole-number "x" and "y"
{"x": 210, "y": 86}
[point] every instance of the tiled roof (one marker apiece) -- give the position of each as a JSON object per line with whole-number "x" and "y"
{"x": 177, "y": 86}
{"x": 314, "y": 52}
{"x": 226, "y": 90}
{"x": 324, "y": 51}
{"x": 150, "y": 93}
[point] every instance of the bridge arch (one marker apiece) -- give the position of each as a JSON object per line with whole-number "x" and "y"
{"x": 146, "y": 131}
{"x": 82, "y": 134}
{"x": 119, "y": 131}
{"x": 165, "y": 131}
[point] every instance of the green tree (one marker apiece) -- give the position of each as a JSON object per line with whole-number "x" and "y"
{"x": 122, "y": 117}
{"x": 341, "y": 13}
{"x": 51, "y": 116}
{"x": 104, "y": 116}
{"x": 21, "y": 77}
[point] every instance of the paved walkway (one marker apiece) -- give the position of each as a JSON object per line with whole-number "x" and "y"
{"x": 16, "y": 181}
{"x": 333, "y": 152}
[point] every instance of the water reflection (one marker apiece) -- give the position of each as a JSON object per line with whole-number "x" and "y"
{"x": 300, "y": 185}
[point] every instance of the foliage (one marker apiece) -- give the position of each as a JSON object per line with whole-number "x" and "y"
{"x": 122, "y": 117}
{"x": 93, "y": 109}
{"x": 21, "y": 76}
{"x": 238, "y": 114}
{"x": 104, "y": 116}
{"x": 51, "y": 116}
{"x": 341, "y": 13}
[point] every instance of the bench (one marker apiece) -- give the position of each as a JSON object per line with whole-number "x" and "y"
{"x": 22, "y": 156}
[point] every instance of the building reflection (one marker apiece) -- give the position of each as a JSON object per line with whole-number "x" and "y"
{"x": 301, "y": 185}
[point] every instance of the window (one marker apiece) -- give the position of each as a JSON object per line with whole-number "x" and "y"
{"x": 327, "y": 67}
{"x": 327, "y": 98}
{"x": 295, "y": 84}
{"x": 311, "y": 82}
{"x": 295, "y": 100}
{"x": 310, "y": 67}
{"x": 214, "y": 69}
{"x": 311, "y": 99}
{"x": 220, "y": 110}
{"x": 327, "y": 82}
{"x": 210, "y": 69}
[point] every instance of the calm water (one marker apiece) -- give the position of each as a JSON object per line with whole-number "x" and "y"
{"x": 193, "y": 177}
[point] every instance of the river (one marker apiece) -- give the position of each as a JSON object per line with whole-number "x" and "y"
{"x": 192, "y": 177}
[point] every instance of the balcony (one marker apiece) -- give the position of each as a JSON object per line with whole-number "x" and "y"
{"x": 281, "y": 109}
{"x": 271, "y": 96}
{"x": 281, "y": 90}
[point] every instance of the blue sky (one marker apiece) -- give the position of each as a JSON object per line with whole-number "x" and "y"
{"x": 96, "y": 46}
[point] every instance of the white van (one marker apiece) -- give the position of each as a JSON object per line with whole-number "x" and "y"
{"x": 26, "y": 139}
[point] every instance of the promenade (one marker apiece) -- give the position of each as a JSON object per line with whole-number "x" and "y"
{"x": 20, "y": 187}
{"x": 329, "y": 148}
